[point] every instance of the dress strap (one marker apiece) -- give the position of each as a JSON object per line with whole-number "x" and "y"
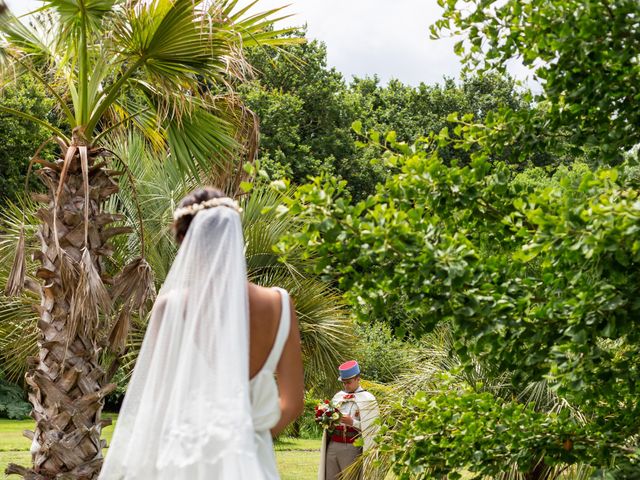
{"x": 282, "y": 334}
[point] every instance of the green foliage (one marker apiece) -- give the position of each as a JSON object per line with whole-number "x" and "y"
{"x": 21, "y": 138}
{"x": 413, "y": 113}
{"x": 437, "y": 436}
{"x": 305, "y": 425}
{"x": 437, "y": 371}
{"x": 113, "y": 401}
{"x": 12, "y": 401}
{"x": 537, "y": 178}
{"x": 304, "y": 111}
{"x": 538, "y": 280}
{"x": 284, "y": 154}
{"x": 584, "y": 54}
{"x": 382, "y": 356}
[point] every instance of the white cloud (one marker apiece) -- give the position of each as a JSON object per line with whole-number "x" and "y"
{"x": 365, "y": 37}
{"x": 20, "y": 7}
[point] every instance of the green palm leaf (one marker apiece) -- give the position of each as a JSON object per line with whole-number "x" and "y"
{"x": 94, "y": 55}
{"x": 72, "y": 12}
{"x": 18, "y": 316}
{"x": 169, "y": 41}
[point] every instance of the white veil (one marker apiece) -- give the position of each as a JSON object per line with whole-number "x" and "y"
{"x": 187, "y": 413}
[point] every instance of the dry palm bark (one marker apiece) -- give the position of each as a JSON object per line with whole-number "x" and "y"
{"x": 67, "y": 383}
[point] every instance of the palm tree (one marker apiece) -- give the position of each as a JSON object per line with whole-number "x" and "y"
{"x": 165, "y": 68}
{"x": 326, "y": 326}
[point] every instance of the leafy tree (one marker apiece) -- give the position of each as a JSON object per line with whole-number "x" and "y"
{"x": 584, "y": 53}
{"x": 306, "y": 109}
{"x": 538, "y": 282}
{"x": 283, "y": 153}
{"x": 21, "y": 137}
{"x": 433, "y": 384}
{"x": 382, "y": 357}
{"x": 414, "y": 112}
{"x": 452, "y": 430}
{"x": 109, "y": 65}
{"x": 303, "y": 109}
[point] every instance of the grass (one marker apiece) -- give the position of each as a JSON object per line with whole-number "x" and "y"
{"x": 11, "y": 438}
{"x": 297, "y": 458}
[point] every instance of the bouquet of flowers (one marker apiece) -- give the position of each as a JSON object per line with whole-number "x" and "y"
{"x": 328, "y": 415}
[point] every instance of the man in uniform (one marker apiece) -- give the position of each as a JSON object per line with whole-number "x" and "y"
{"x": 359, "y": 410}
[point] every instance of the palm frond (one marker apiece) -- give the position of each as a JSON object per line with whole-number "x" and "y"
{"x": 77, "y": 14}
{"x": 26, "y": 40}
{"x": 165, "y": 45}
{"x": 201, "y": 140}
{"x": 252, "y": 30}
{"x": 126, "y": 113}
{"x": 18, "y": 335}
{"x": 19, "y": 315}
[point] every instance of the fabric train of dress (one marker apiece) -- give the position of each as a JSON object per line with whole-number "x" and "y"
{"x": 187, "y": 414}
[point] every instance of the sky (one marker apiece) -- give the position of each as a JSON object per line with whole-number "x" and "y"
{"x": 367, "y": 37}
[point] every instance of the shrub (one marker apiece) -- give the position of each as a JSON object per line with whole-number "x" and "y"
{"x": 381, "y": 356}
{"x": 12, "y": 403}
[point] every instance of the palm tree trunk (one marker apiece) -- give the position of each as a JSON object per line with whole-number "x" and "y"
{"x": 67, "y": 384}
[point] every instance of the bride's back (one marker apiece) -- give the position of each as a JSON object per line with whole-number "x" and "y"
{"x": 265, "y": 309}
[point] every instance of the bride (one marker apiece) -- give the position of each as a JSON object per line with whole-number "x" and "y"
{"x": 202, "y": 402}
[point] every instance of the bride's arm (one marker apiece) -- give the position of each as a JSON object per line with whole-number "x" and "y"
{"x": 290, "y": 377}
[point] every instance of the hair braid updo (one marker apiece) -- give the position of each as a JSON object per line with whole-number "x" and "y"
{"x": 181, "y": 225}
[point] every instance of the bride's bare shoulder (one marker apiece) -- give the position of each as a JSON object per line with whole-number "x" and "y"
{"x": 262, "y": 299}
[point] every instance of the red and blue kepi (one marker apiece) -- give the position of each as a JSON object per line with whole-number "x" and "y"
{"x": 348, "y": 370}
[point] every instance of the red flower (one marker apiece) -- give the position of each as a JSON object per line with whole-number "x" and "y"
{"x": 327, "y": 415}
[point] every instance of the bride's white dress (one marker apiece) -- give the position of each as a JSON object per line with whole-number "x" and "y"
{"x": 265, "y": 402}
{"x": 191, "y": 412}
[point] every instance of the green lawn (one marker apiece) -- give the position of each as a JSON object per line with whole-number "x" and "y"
{"x": 297, "y": 458}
